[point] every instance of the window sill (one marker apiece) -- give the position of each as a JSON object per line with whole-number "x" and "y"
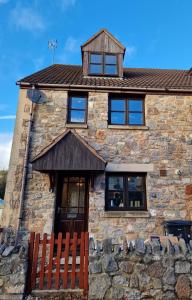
{"x": 129, "y": 127}
{"x": 71, "y": 125}
{"x": 126, "y": 214}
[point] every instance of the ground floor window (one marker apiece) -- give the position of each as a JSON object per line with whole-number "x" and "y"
{"x": 126, "y": 191}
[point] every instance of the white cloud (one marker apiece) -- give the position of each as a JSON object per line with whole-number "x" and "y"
{"x": 3, "y": 1}
{"x": 5, "y": 149}
{"x": 65, "y": 4}
{"x": 129, "y": 54}
{"x": 71, "y": 45}
{"x": 27, "y": 18}
{"x": 8, "y": 117}
{"x": 130, "y": 51}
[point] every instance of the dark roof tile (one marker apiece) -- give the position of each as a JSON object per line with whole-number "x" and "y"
{"x": 133, "y": 78}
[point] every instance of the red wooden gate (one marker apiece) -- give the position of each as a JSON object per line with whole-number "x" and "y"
{"x": 58, "y": 263}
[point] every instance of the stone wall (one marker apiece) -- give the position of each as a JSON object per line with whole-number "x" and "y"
{"x": 140, "y": 271}
{"x": 14, "y": 179}
{"x": 57, "y": 295}
{"x": 164, "y": 143}
{"x": 13, "y": 267}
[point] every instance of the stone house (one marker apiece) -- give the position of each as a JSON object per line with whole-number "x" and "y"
{"x": 101, "y": 148}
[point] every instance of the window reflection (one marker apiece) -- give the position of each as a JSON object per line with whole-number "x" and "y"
{"x": 126, "y": 112}
{"x": 96, "y": 58}
{"x": 73, "y": 196}
{"x": 77, "y": 109}
{"x": 109, "y": 69}
{"x": 103, "y": 64}
{"x": 126, "y": 192}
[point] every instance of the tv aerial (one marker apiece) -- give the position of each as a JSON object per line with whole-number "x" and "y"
{"x": 52, "y": 45}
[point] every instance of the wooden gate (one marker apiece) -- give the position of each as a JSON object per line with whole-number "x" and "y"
{"x": 58, "y": 262}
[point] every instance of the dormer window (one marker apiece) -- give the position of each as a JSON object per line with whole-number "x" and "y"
{"x": 103, "y": 64}
{"x": 102, "y": 55}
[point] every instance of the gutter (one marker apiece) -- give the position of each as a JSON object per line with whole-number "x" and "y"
{"x": 69, "y": 86}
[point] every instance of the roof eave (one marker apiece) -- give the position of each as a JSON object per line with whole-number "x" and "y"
{"x": 70, "y": 86}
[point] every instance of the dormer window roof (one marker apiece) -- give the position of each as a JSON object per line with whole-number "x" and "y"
{"x": 102, "y": 55}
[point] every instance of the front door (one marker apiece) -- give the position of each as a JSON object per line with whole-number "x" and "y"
{"x": 72, "y": 205}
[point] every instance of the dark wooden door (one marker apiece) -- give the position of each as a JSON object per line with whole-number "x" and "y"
{"x": 72, "y": 204}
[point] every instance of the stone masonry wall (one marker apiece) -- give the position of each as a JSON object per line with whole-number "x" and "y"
{"x": 164, "y": 143}
{"x": 140, "y": 271}
{"x": 14, "y": 178}
{"x": 13, "y": 267}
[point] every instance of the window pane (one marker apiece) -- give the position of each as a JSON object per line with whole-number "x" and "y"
{"x": 95, "y": 69}
{"x": 81, "y": 194}
{"x": 110, "y": 69}
{"x": 96, "y": 58}
{"x": 135, "y": 118}
{"x": 135, "y": 105}
{"x": 118, "y": 105}
{"x": 135, "y": 183}
{"x": 115, "y": 199}
{"x": 64, "y": 199}
{"x": 135, "y": 199}
{"x": 82, "y": 179}
{"x": 73, "y": 196}
{"x": 77, "y": 116}
{"x": 110, "y": 59}
{"x": 115, "y": 183}
{"x": 81, "y": 210}
{"x": 77, "y": 102}
{"x": 117, "y": 118}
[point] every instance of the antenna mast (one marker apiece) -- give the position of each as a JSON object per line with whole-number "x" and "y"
{"x": 52, "y": 45}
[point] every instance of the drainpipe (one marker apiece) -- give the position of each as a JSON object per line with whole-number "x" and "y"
{"x": 24, "y": 174}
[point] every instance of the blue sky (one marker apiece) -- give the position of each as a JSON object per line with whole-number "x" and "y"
{"x": 157, "y": 34}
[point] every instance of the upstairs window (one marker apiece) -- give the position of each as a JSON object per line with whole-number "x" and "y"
{"x": 125, "y": 191}
{"x": 126, "y": 111}
{"x": 103, "y": 64}
{"x": 77, "y": 109}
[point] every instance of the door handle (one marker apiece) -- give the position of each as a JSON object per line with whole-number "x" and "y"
{"x": 59, "y": 210}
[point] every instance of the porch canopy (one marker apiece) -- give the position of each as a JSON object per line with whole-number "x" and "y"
{"x": 68, "y": 152}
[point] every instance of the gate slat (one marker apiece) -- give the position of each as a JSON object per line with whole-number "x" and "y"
{"x": 50, "y": 266}
{"x": 58, "y": 259}
{"x": 43, "y": 259}
{"x": 74, "y": 248}
{"x": 82, "y": 253}
{"x": 31, "y": 248}
{"x": 35, "y": 260}
{"x": 86, "y": 260}
{"x": 66, "y": 257}
{"x": 38, "y": 267}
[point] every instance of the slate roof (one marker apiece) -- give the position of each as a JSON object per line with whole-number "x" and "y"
{"x": 133, "y": 78}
